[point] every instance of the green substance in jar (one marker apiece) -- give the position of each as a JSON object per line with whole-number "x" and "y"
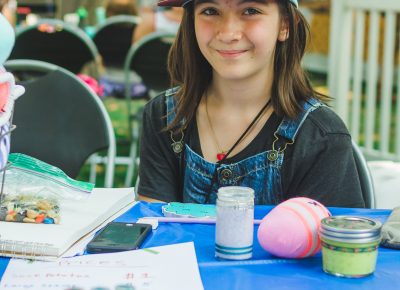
{"x": 349, "y": 259}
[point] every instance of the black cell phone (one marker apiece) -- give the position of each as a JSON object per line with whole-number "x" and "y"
{"x": 117, "y": 237}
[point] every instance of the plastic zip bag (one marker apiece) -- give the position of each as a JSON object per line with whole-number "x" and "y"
{"x": 32, "y": 190}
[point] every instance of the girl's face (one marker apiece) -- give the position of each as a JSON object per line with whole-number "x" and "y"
{"x": 238, "y": 37}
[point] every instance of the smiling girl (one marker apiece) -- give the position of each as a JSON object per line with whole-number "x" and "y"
{"x": 243, "y": 112}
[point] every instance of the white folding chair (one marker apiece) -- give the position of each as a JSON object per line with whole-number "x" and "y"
{"x": 364, "y": 174}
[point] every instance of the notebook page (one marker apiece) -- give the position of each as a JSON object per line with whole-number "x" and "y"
{"x": 78, "y": 218}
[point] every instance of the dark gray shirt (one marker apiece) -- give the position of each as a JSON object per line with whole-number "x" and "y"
{"x": 319, "y": 165}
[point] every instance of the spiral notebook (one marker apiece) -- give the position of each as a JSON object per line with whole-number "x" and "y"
{"x": 78, "y": 219}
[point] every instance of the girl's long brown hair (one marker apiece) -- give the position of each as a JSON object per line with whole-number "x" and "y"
{"x": 192, "y": 73}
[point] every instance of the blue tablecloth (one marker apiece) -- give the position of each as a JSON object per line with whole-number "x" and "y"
{"x": 263, "y": 271}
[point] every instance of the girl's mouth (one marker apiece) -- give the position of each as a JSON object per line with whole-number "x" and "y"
{"x": 234, "y": 53}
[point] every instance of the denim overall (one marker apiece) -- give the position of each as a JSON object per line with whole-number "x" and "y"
{"x": 262, "y": 172}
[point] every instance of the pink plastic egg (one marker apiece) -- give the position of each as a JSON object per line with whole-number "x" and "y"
{"x": 290, "y": 230}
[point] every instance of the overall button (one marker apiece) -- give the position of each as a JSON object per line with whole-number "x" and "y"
{"x": 226, "y": 173}
{"x": 272, "y": 155}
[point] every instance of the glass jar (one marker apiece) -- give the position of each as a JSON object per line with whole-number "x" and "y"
{"x": 235, "y": 223}
{"x": 349, "y": 245}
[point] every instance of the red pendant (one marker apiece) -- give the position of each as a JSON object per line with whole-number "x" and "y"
{"x": 220, "y": 156}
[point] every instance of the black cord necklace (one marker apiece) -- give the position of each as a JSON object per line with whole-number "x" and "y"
{"x": 219, "y": 162}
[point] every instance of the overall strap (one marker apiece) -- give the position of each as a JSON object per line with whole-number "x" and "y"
{"x": 177, "y": 139}
{"x": 170, "y": 103}
{"x": 289, "y": 128}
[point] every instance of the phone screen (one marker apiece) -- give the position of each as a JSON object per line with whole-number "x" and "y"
{"x": 119, "y": 237}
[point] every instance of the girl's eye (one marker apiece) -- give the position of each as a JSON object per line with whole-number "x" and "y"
{"x": 209, "y": 11}
{"x": 251, "y": 11}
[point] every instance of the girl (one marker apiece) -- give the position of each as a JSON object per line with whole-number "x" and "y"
{"x": 244, "y": 112}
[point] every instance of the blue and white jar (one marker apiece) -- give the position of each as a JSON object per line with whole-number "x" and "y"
{"x": 235, "y": 223}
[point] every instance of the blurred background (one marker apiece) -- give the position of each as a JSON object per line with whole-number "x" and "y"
{"x": 118, "y": 48}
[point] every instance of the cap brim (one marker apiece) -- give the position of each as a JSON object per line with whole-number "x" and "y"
{"x": 173, "y": 3}
{"x": 181, "y": 3}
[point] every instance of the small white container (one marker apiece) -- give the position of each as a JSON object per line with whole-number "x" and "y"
{"x": 235, "y": 223}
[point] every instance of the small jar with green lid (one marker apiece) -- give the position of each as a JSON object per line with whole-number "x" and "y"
{"x": 349, "y": 245}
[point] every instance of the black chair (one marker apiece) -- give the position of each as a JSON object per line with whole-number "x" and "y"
{"x": 148, "y": 59}
{"x": 367, "y": 185}
{"x": 60, "y": 120}
{"x": 147, "y": 62}
{"x": 113, "y": 39}
{"x": 56, "y": 42}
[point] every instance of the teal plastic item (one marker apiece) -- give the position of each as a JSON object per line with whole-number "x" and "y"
{"x": 194, "y": 210}
{"x": 48, "y": 172}
{"x": 82, "y": 12}
{"x": 100, "y": 13}
{"x": 90, "y": 31}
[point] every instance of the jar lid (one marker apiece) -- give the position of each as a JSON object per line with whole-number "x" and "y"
{"x": 350, "y": 229}
{"x": 236, "y": 194}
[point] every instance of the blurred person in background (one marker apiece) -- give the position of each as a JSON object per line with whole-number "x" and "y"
{"x": 8, "y": 8}
{"x": 158, "y": 20}
{"x": 121, "y": 7}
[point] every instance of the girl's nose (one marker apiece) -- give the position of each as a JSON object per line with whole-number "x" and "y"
{"x": 229, "y": 30}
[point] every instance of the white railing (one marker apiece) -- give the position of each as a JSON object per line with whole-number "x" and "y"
{"x": 364, "y": 73}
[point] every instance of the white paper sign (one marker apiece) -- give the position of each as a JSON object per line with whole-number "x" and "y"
{"x": 169, "y": 267}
